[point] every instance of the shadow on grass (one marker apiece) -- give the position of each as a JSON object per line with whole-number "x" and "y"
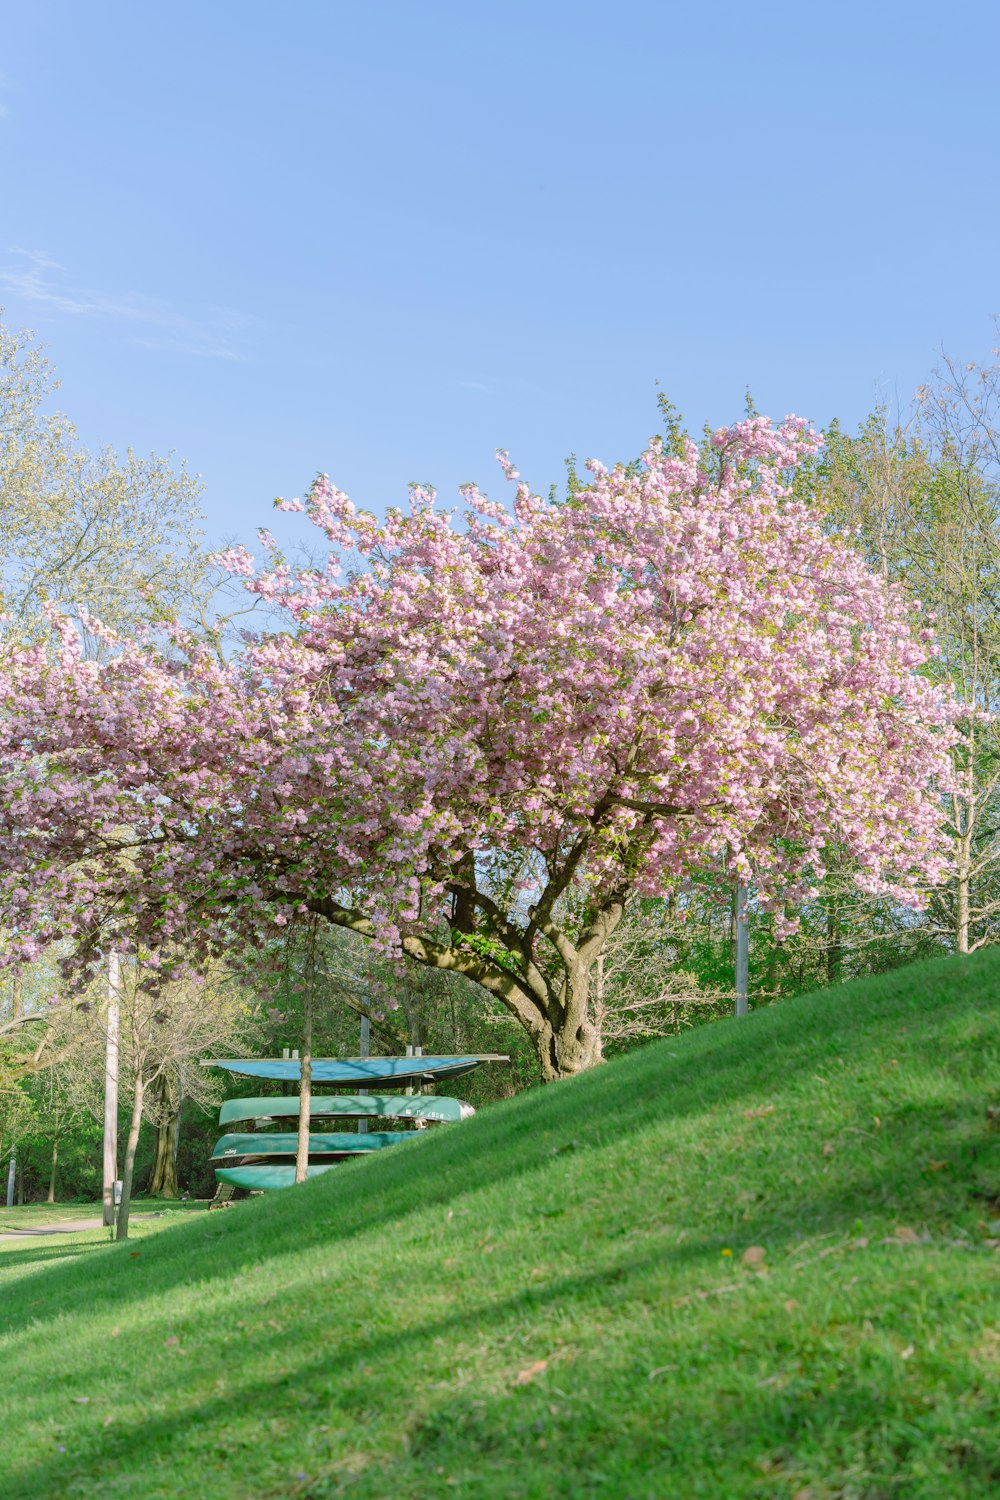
{"x": 45, "y": 1254}
{"x": 637, "y": 1439}
{"x": 724, "y": 1066}
{"x": 137, "y": 1443}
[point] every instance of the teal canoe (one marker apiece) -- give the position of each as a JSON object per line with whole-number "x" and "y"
{"x": 362, "y": 1072}
{"x": 263, "y": 1176}
{"x": 435, "y": 1108}
{"x": 337, "y": 1143}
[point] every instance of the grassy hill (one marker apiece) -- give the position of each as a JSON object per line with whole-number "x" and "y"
{"x": 759, "y": 1260}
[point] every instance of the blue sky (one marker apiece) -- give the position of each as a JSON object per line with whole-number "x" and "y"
{"x": 381, "y": 239}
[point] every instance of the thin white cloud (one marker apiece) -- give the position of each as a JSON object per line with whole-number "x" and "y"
{"x": 211, "y": 333}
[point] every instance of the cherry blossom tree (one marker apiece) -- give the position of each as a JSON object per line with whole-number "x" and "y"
{"x": 477, "y": 746}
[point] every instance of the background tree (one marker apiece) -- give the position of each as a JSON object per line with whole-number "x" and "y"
{"x": 165, "y": 1030}
{"x": 642, "y": 988}
{"x": 113, "y": 535}
{"x": 56, "y": 1116}
{"x": 405, "y": 1004}
{"x": 88, "y": 532}
{"x": 923, "y": 499}
{"x": 27, "y": 1031}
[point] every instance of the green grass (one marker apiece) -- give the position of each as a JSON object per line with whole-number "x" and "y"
{"x": 32, "y": 1216}
{"x": 556, "y": 1299}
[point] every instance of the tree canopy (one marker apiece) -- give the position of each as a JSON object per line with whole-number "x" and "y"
{"x": 479, "y": 744}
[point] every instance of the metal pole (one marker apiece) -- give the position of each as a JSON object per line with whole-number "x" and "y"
{"x": 305, "y": 1087}
{"x": 366, "y": 1047}
{"x": 11, "y": 1174}
{"x": 111, "y": 1089}
{"x": 742, "y": 952}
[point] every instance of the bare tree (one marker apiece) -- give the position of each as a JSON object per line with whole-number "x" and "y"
{"x": 163, "y": 1031}
{"x": 642, "y": 987}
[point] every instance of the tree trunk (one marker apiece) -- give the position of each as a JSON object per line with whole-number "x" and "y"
{"x": 567, "y": 1042}
{"x": 163, "y": 1181}
{"x": 564, "y": 1052}
{"x": 964, "y": 819}
{"x": 412, "y": 1018}
{"x": 456, "y": 1039}
{"x": 834, "y": 942}
{"x": 175, "y": 1144}
{"x": 962, "y": 898}
{"x": 52, "y": 1176}
{"x": 121, "y": 1223}
{"x": 305, "y": 1090}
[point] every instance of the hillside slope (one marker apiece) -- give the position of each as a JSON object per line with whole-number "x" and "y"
{"x": 759, "y": 1260}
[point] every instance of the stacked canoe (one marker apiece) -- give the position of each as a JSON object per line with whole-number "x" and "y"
{"x": 261, "y": 1158}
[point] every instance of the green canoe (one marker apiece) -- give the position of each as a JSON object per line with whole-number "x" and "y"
{"x": 431, "y": 1107}
{"x": 339, "y": 1143}
{"x": 362, "y": 1072}
{"x": 263, "y": 1176}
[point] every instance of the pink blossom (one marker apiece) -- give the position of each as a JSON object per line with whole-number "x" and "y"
{"x": 670, "y": 671}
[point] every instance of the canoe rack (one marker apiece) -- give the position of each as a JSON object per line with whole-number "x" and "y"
{"x": 256, "y": 1158}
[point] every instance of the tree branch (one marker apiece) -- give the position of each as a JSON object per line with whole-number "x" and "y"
{"x": 506, "y": 986}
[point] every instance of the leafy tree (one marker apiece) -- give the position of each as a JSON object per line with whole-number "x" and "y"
{"x": 923, "y": 500}
{"x": 55, "y": 1120}
{"x": 94, "y": 532}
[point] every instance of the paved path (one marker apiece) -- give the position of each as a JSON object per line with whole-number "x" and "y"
{"x": 69, "y": 1226}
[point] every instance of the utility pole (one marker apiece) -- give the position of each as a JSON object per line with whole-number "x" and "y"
{"x": 16, "y": 1012}
{"x": 742, "y": 952}
{"x": 111, "y": 1088}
